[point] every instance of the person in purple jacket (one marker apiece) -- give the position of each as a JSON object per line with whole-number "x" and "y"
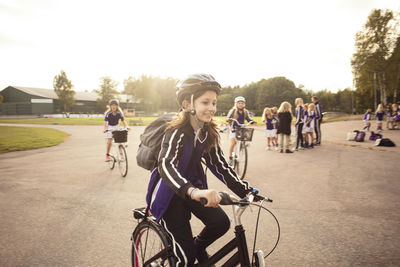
{"x": 379, "y": 117}
{"x": 366, "y": 119}
{"x": 179, "y": 182}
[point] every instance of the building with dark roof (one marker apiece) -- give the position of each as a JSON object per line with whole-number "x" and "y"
{"x": 19, "y": 100}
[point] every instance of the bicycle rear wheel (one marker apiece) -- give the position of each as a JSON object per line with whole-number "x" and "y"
{"x": 122, "y": 161}
{"x": 151, "y": 246}
{"x": 111, "y": 163}
{"x": 241, "y": 160}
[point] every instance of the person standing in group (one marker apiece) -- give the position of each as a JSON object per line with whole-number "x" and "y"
{"x": 299, "y": 123}
{"x": 310, "y": 124}
{"x": 396, "y": 114}
{"x": 318, "y": 119}
{"x": 269, "y": 120}
{"x": 111, "y": 122}
{"x": 178, "y": 183}
{"x": 389, "y": 119}
{"x": 284, "y": 128}
{"x": 275, "y": 123}
{"x": 305, "y": 128}
{"x": 366, "y": 119}
{"x": 379, "y": 117}
{"x": 239, "y": 113}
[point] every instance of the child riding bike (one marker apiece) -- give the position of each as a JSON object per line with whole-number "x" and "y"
{"x": 239, "y": 113}
{"x": 111, "y": 122}
{"x": 179, "y": 182}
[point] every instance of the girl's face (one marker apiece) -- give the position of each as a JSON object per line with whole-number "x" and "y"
{"x": 240, "y": 105}
{"x": 114, "y": 107}
{"x": 268, "y": 112}
{"x": 205, "y": 106}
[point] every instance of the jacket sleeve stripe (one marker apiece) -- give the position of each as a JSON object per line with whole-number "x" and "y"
{"x": 171, "y": 162}
{"x": 229, "y": 169}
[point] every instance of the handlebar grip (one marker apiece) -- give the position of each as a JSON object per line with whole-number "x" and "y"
{"x": 225, "y": 199}
{"x": 203, "y": 201}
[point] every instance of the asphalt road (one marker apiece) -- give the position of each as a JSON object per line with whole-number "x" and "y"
{"x": 337, "y": 204}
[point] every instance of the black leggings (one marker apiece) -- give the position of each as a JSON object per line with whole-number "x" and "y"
{"x": 299, "y": 135}
{"x": 176, "y": 221}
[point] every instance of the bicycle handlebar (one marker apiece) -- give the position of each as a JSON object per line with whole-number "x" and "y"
{"x": 241, "y": 125}
{"x": 121, "y": 129}
{"x": 227, "y": 199}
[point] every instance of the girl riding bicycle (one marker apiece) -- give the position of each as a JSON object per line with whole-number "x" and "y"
{"x": 111, "y": 122}
{"x": 179, "y": 182}
{"x": 239, "y": 113}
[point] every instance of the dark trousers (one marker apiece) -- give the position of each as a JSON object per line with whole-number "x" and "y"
{"x": 176, "y": 221}
{"x": 317, "y": 131}
{"x": 299, "y": 135}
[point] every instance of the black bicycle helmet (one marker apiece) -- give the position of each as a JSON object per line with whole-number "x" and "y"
{"x": 113, "y": 101}
{"x": 195, "y": 82}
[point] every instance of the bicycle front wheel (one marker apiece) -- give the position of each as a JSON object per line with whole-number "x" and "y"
{"x": 241, "y": 160}
{"x": 122, "y": 161}
{"x": 151, "y": 246}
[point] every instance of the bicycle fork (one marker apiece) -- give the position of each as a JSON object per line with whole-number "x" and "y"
{"x": 242, "y": 244}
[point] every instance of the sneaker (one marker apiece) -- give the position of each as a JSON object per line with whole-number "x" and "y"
{"x": 230, "y": 162}
{"x": 267, "y": 148}
{"x": 276, "y": 148}
{"x": 281, "y": 151}
{"x": 301, "y": 148}
{"x": 288, "y": 151}
{"x": 108, "y": 158}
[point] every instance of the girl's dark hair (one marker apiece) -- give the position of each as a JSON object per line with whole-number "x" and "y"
{"x": 183, "y": 118}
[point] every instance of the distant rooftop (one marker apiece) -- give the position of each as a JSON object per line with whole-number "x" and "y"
{"x": 82, "y": 96}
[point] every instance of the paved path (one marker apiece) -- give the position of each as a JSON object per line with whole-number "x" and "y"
{"x": 338, "y": 204}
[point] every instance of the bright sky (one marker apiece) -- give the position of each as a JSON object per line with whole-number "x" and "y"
{"x": 239, "y": 42}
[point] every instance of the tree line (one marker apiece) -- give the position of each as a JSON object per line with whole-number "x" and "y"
{"x": 375, "y": 65}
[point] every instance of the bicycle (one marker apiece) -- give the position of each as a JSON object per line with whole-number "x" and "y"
{"x": 152, "y": 246}
{"x": 240, "y": 154}
{"x": 118, "y": 153}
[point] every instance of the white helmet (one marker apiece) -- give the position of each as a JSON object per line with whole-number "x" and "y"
{"x": 240, "y": 98}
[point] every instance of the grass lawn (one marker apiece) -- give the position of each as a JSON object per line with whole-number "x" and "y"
{"x": 25, "y": 138}
{"x": 69, "y": 121}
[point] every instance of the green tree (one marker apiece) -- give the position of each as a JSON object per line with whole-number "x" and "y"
{"x": 374, "y": 46}
{"x": 393, "y": 70}
{"x": 271, "y": 92}
{"x": 154, "y": 93}
{"x": 107, "y": 91}
{"x": 64, "y": 90}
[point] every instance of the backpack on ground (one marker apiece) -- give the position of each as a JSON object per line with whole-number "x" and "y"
{"x": 375, "y": 136}
{"x": 384, "y": 142}
{"x": 150, "y": 142}
{"x": 360, "y": 136}
{"x": 351, "y": 136}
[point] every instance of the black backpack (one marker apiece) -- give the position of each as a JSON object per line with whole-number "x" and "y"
{"x": 385, "y": 142}
{"x": 150, "y": 142}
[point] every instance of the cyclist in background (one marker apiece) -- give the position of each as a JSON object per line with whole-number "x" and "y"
{"x": 179, "y": 182}
{"x": 239, "y": 113}
{"x": 111, "y": 122}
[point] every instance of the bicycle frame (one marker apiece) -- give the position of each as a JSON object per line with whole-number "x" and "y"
{"x": 239, "y": 241}
{"x": 241, "y": 256}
